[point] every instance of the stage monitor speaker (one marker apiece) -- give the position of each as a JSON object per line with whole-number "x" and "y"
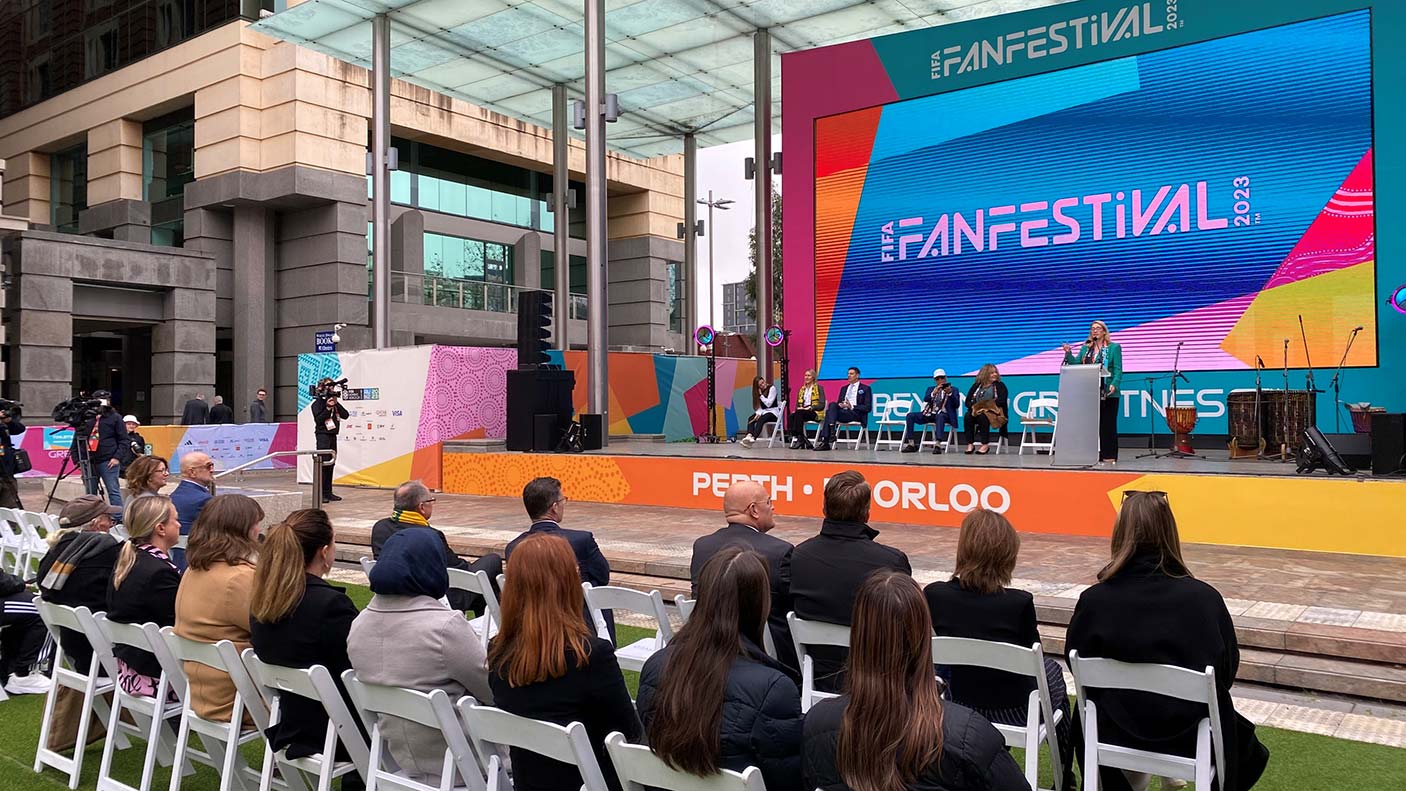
{"x": 1388, "y": 443}
{"x": 592, "y": 432}
{"x": 546, "y": 432}
{"x": 532, "y": 392}
{"x": 1317, "y": 452}
{"x": 534, "y": 328}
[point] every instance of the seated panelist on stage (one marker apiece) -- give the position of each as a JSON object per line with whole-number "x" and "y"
{"x": 767, "y": 405}
{"x": 986, "y": 408}
{"x": 939, "y": 408}
{"x": 810, "y": 405}
{"x": 855, "y": 401}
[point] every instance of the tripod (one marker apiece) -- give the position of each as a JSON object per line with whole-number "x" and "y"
{"x": 1152, "y": 451}
{"x": 83, "y": 466}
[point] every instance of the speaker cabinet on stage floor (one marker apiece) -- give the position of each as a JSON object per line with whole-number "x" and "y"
{"x": 1388, "y": 443}
{"x": 533, "y": 392}
{"x": 592, "y": 432}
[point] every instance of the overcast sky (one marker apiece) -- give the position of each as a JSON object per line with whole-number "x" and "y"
{"x": 720, "y": 169}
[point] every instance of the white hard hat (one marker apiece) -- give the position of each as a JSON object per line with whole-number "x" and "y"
{"x": 131, "y": 419}
{"x": 939, "y": 372}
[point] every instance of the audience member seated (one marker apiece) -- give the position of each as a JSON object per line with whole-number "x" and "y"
{"x": 750, "y": 516}
{"x": 212, "y": 603}
{"x": 21, "y": 637}
{"x": 77, "y": 569}
{"x": 414, "y": 505}
{"x": 407, "y": 638}
{"x": 144, "y": 584}
{"x": 546, "y": 664}
{"x": 1146, "y": 607}
{"x": 827, "y": 569}
{"x": 193, "y": 492}
{"x": 891, "y": 728}
{"x": 146, "y": 475}
{"x": 296, "y": 619}
{"x": 712, "y": 699}
{"x": 546, "y": 507}
{"x": 976, "y": 603}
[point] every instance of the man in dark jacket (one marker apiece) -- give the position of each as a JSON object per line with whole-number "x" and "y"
{"x": 77, "y": 569}
{"x": 107, "y": 440}
{"x": 9, "y": 492}
{"x": 546, "y": 507}
{"x": 750, "y": 515}
{"x": 258, "y": 408}
{"x": 414, "y": 505}
{"x": 21, "y": 637}
{"x": 852, "y": 405}
{"x": 220, "y": 411}
{"x": 828, "y": 569}
{"x": 327, "y": 417}
{"x": 196, "y": 412}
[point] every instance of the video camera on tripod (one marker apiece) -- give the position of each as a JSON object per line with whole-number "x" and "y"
{"x": 10, "y": 408}
{"x": 78, "y": 410}
{"x": 327, "y": 387}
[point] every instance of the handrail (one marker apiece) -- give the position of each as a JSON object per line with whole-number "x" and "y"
{"x": 278, "y": 454}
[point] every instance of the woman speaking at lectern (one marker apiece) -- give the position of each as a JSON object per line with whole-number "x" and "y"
{"x": 1099, "y": 349}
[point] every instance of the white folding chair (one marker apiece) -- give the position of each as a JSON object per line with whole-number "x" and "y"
{"x": 490, "y": 728}
{"x": 486, "y": 625}
{"x": 1040, "y": 715}
{"x": 1166, "y": 680}
{"x": 366, "y": 565}
{"x": 812, "y": 633}
{"x": 16, "y": 546}
{"x": 609, "y": 597}
{"x": 1041, "y": 413}
{"x": 639, "y": 769}
{"x": 891, "y": 422}
{"x": 860, "y": 431}
{"x": 35, "y": 527}
{"x": 769, "y": 432}
{"x": 375, "y": 702}
{"x": 686, "y": 609}
{"x": 223, "y": 740}
{"x": 92, "y": 684}
{"x": 149, "y": 714}
{"x": 315, "y": 684}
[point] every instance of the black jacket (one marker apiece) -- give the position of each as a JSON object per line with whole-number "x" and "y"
{"x": 778, "y": 558}
{"x": 7, "y": 447}
{"x": 321, "y": 414}
{"x": 974, "y": 756}
{"x": 1001, "y": 399}
{"x": 315, "y": 633}
{"x": 826, "y": 572}
{"x": 1005, "y": 617}
{"x": 258, "y": 411}
{"x": 1144, "y": 615}
{"x": 136, "y": 446}
{"x": 593, "y": 695}
{"x": 761, "y": 719}
{"x": 221, "y": 413}
{"x": 112, "y": 436}
{"x": 595, "y": 569}
{"x": 86, "y": 587}
{"x": 195, "y": 413}
{"x": 147, "y": 595}
{"x": 384, "y": 529}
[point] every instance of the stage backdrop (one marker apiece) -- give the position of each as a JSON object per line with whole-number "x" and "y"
{"x": 1197, "y": 174}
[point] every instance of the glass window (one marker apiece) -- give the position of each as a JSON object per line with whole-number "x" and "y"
{"x": 168, "y": 155}
{"x": 68, "y": 187}
{"x": 676, "y": 296}
{"x": 400, "y": 187}
{"x": 454, "y": 198}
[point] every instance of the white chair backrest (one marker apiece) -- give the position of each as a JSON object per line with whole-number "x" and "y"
{"x": 807, "y": 633}
{"x": 59, "y": 616}
{"x": 36, "y": 525}
{"x": 893, "y": 409}
{"x": 685, "y": 606}
{"x": 610, "y": 597}
{"x": 222, "y": 656}
{"x": 316, "y": 684}
{"x": 431, "y": 709}
{"x": 985, "y": 653}
{"x": 488, "y": 726}
{"x": 366, "y": 565}
{"x": 97, "y": 639}
{"x": 1041, "y": 408}
{"x": 640, "y": 769}
{"x": 477, "y": 582}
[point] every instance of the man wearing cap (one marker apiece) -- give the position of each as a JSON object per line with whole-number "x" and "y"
{"x": 939, "y": 408}
{"x": 78, "y": 566}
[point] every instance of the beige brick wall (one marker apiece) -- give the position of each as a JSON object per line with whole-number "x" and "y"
{"x": 26, "y": 190}
{"x": 114, "y": 161}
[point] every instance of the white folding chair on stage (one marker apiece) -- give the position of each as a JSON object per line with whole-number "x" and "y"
{"x": 686, "y": 609}
{"x": 486, "y": 625}
{"x": 769, "y": 432}
{"x": 639, "y": 769}
{"x": 275, "y": 682}
{"x": 91, "y": 683}
{"x": 806, "y": 634}
{"x": 891, "y": 421}
{"x": 1166, "y": 680}
{"x": 222, "y": 740}
{"x": 490, "y": 728}
{"x": 366, "y": 565}
{"x": 148, "y": 713}
{"x": 1040, "y": 716}
{"x": 860, "y": 431}
{"x": 1042, "y": 413}
{"x": 609, "y": 597}
{"x": 433, "y": 709}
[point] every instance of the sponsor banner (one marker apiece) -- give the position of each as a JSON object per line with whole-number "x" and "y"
{"x": 1238, "y": 510}
{"x": 228, "y": 444}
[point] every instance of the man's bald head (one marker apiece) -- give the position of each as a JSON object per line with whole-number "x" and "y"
{"x": 196, "y": 466}
{"x": 747, "y": 503}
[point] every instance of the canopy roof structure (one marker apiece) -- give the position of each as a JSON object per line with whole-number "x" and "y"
{"x": 677, "y": 65}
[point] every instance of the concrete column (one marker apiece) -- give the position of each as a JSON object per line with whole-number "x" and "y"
{"x": 597, "y": 359}
{"x": 41, "y": 361}
{"x": 561, "y": 213}
{"x": 527, "y": 261}
{"x": 690, "y": 241}
{"x": 27, "y": 190}
{"x": 408, "y": 256}
{"x": 182, "y": 352}
{"x": 212, "y": 231}
{"x": 381, "y": 178}
{"x": 115, "y": 162}
{"x": 639, "y": 292}
{"x": 761, "y": 89}
{"x": 254, "y": 293}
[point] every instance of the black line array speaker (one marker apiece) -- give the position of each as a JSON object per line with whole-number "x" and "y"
{"x": 533, "y": 392}
{"x": 1388, "y": 443}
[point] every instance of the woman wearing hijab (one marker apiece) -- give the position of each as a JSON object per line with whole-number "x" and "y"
{"x": 406, "y": 637}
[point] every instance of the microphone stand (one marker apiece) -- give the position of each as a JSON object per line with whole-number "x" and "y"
{"x": 1259, "y": 409}
{"x": 1152, "y": 451}
{"x": 1337, "y": 384}
{"x": 1177, "y": 452}
{"x": 1284, "y": 410}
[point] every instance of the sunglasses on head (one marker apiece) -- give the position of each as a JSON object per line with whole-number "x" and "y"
{"x": 1154, "y": 493}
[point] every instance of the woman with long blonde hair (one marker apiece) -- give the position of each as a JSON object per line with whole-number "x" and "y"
{"x": 144, "y": 585}
{"x": 1099, "y": 349}
{"x": 986, "y": 405}
{"x": 810, "y": 406}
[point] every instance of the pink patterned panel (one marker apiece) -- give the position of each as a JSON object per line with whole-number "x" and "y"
{"x": 466, "y": 393}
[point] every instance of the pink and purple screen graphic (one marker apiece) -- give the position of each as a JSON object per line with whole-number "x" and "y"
{"x": 1204, "y": 196}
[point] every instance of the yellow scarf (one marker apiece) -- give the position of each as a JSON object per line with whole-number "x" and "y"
{"x": 410, "y": 518}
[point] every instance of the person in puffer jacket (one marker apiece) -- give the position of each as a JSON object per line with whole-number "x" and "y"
{"x": 714, "y": 671}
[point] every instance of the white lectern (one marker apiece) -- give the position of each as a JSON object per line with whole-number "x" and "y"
{"x": 1076, "y": 432}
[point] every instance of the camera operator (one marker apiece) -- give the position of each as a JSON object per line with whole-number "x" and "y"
{"x": 108, "y": 445}
{"x": 9, "y": 424}
{"x": 327, "y": 415}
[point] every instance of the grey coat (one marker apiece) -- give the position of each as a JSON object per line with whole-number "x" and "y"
{"x": 417, "y": 643}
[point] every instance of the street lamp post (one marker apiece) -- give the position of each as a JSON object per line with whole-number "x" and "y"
{"x": 721, "y": 204}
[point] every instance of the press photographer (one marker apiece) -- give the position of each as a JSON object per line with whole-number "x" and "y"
{"x": 10, "y": 460}
{"x": 99, "y": 439}
{"x": 328, "y": 414}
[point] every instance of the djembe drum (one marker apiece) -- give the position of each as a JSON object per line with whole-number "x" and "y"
{"x": 1180, "y": 421}
{"x": 1246, "y": 418}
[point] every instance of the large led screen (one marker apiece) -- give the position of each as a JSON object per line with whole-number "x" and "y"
{"x": 1200, "y": 200}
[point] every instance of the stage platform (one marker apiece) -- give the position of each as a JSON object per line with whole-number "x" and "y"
{"x": 1217, "y": 501}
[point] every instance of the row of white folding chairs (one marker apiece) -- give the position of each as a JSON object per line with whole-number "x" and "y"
{"x": 24, "y": 539}
{"x": 1041, "y": 715}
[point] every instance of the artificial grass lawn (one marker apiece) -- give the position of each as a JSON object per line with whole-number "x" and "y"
{"x": 1298, "y": 761}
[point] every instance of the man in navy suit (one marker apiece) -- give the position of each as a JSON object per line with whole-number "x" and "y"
{"x": 852, "y": 406}
{"x": 939, "y": 408}
{"x": 546, "y": 506}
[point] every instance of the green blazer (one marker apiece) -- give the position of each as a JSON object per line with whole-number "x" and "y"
{"x": 1113, "y": 361}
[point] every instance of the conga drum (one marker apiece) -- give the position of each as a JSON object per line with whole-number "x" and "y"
{"x": 1180, "y": 421}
